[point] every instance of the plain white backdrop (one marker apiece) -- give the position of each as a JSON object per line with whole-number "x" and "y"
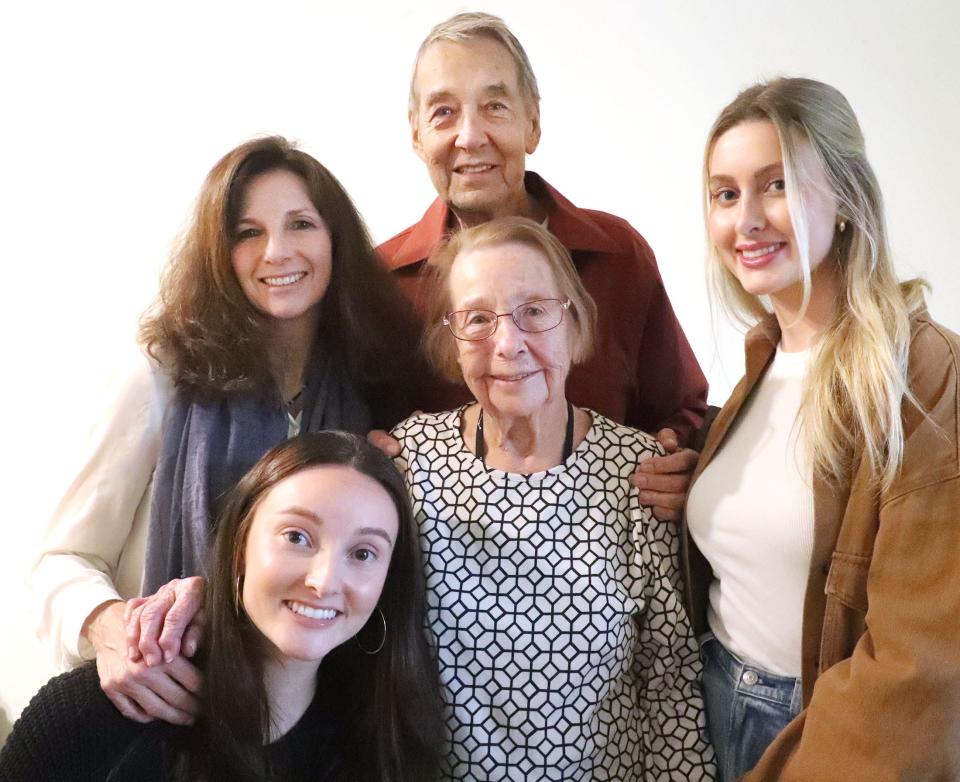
{"x": 113, "y": 113}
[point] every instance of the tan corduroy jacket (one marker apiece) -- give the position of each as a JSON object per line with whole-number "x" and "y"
{"x": 881, "y": 620}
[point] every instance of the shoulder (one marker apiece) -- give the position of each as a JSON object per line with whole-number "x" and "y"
{"x": 613, "y": 439}
{"x": 934, "y": 371}
{"x": 427, "y": 426}
{"x": 430, "y": 444}
{"x": 68, "y": 725}
{"x": 415, "y": 243}
{"x": 389, "y": 249}
{"x": 590, "y": 230}
{"x": 931, "y": 421}
{"x": 934, "y": 358}
{"x": 141, "y": 380}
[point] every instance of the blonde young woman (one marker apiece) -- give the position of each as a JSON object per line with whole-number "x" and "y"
{"x": 823, "y": 525}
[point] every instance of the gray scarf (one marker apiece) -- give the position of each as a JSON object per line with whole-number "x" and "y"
{"x": 210, "y": 439}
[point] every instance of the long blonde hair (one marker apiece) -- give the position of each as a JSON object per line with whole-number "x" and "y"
{"x": 857, "y": 382}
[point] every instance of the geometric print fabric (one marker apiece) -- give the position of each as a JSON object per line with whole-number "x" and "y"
{"x": 554, "y": 607}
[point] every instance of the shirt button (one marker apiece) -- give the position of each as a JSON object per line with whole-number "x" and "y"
{"x": 750, "y": 678}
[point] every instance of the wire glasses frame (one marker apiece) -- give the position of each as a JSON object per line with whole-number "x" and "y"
{"x": 531, "y": 316}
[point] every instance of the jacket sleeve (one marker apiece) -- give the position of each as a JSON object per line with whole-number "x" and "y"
{"x": 891, "y": 711}
{"x": 667, "y": 665}
{"x": 102, "y": 511}
{"x": 671, "y": 387}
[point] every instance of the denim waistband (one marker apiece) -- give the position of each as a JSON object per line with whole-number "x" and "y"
{"x": 750, "y": 679}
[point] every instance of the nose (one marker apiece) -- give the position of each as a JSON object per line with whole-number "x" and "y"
{"x": 509, "y": 341}
{"x": 277, "y": 249}
{"x": 750, "y": 216}
{"x": 323, "y": 577}
{"x": 472, "y": 133}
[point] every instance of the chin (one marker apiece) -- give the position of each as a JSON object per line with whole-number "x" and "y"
{"x": 473, "y": 201}
{"x": 519, "y": 408}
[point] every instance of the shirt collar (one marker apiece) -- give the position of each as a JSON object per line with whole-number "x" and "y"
{"x": 575, "y": 228}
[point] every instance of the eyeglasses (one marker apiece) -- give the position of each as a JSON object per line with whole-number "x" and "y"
{"x": 531, "y": 316}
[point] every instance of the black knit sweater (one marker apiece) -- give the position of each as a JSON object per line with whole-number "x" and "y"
{"x": 71, "y": 732}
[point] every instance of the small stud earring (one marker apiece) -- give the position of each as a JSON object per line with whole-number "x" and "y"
{"x": 842, "y": 226}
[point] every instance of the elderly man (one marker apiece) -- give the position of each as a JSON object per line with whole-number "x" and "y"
{"x": 474, "y": 115}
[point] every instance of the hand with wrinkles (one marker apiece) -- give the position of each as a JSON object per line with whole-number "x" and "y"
{"x": 166, "y": 624}
{"x": 140, "y": 692}
{"x": 384, "y": 441}
{"x": 663, "y": 481}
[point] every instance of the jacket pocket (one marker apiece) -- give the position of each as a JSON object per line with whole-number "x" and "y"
{"x": 843, "y": 620}
{"x": 847, "y": 580}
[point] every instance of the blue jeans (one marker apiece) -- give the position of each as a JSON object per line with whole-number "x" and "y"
{"x": 746, "y": 707}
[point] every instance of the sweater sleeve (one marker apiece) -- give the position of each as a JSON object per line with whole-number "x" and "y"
{"x": 668, "y": 662}
{"x": 68, "y": 732}
{"x": 102, "y": 516}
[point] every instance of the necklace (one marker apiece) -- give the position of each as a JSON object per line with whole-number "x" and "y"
{"x": 481, "y": 448}
{"x": 294, "y": 404}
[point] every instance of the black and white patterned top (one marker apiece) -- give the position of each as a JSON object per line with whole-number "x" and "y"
{"x": 554, "y": 605}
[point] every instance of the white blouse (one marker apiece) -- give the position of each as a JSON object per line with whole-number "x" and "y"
{"x": 751, "y": 515}
{"x": 555, "y": 610}
{"x": 93, "y": 547}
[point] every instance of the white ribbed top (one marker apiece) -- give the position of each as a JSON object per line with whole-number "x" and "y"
{"x": 751, "y": 514}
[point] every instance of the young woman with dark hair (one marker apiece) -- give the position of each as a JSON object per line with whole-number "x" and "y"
{"x": 274, "y": 318}
{"x": 315, "y": 663}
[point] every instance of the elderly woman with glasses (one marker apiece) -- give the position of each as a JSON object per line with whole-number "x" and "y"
{"x": 553, "y": 595}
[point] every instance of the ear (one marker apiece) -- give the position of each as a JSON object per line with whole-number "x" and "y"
{"x": 417, "y": 142}
{"x": 533, "y": 131}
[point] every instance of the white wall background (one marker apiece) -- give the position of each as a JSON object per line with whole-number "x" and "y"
{"x": 114, "y": 111}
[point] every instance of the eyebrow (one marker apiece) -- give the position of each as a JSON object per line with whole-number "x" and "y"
{"x": 296, "y": 510}
{"x": 437, "y": 96}
{"x": 762, "y": 173}
{"x": 767, "y": 170}
{"x": 500, "y": 88}
{"x": 310, "y": 211}
{"x": 375, "y": 531}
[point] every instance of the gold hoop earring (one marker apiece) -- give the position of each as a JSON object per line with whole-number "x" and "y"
{"x": 383, "y": 640}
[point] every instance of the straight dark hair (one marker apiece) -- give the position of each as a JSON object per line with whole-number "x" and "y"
{"x": 204, "y": 330}
{"x": 387, "y": 705}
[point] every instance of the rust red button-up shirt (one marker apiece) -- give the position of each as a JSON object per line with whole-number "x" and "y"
{"x": 643, "y": 372}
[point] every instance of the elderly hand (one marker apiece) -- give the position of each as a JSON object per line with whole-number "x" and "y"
{"x": 383, "y": 441}
{"x": 663, "y": 481}
{"x": 166, "y": 624}
{"x": 140, "y": 692}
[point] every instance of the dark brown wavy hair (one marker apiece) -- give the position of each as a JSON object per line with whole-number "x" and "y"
{"x": 206, "y": 333}
{"x": 386, "y": 706}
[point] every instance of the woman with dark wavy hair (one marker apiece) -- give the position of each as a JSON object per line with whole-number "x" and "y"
{"x": 274, "y": 318}
{"x": 316, "y": 665}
